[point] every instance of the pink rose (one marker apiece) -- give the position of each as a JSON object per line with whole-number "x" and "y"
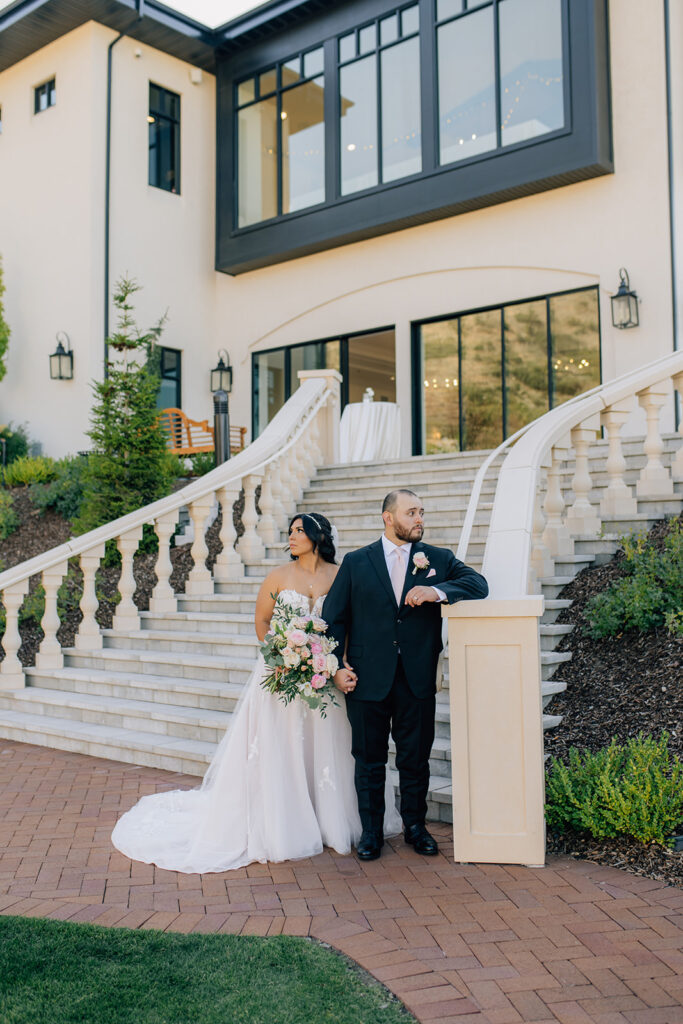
{"x": 316, "y": 648}
{"x": 319, "y": 663}
{"x": 319, "y": 625}
{"x": 318, "y": 681}
{"x": 297, "y": 638}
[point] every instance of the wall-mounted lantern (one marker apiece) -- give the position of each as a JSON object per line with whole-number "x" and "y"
{"x": 624, "y": 304}
{"x": 221, "y": 375}
{"x": 62, "y": 359}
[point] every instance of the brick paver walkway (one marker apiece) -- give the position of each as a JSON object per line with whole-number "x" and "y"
{"x": 572, "y": 942}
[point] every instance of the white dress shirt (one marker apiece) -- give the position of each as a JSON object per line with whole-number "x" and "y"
{"x": 403, "y": 551}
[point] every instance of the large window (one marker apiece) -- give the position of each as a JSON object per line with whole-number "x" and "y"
{"x": 364, "y": 360}
{"x": 281, "y": 139}
{"x": 485, "y": 374}
{"x": 164, "y": 138}
{"x": 423, "y": 110}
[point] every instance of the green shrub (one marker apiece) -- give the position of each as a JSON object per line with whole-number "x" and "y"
{"x": 674, "y": 622}
{"x": 9, "y": 520}
{"x": 4, "y": 330}
{"x": 16, "y": 442}
{"x": 652, "y": 588}
{"x": 634, "y": 789}
{"x": 28, "y": 470}
{"x": 128, "y": 466}
{"x": 202, "y": 462}
{"x": 64, "y": 494}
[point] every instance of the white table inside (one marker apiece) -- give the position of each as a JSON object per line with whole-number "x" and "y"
{"x": 369, "y": 431}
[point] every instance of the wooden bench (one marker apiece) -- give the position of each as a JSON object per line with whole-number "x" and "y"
{"x": 189, "y": 437}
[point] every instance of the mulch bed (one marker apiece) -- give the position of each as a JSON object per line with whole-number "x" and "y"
{"x": 616, "y": 686}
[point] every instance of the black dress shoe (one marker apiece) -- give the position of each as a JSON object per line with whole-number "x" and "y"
{"x": 421, "y": 841}
{"x": 369, "y": 845}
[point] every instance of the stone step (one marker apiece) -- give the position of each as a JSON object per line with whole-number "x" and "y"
{"x": 419, "y": 464}
{"x": 350, "y": 520}
{"x": 550, "y": 660}
{"x": 551, "y": 722}
{"x": 550, "y": 688}
{"x": 552, "y": 608}
{"x": 552, "y": 586}
{"x": 218, "y": 604}
{"x": 551, "y": 634}
{"x": 171, "y": 641}
{"x": 454, "y": 494}
{"x": 139, "y": 661}
{"x": 440, "y": 538}
{"x": 227, "y": 625}
{"x": 571, "y": 565}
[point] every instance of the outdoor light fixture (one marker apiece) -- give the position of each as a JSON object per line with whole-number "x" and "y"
{"x": 221, "y": 375}
{"x": 624, "y": 304}
{"x": 62, "y": 359}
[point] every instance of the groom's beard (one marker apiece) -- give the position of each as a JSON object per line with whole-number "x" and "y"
{"x": 411, "y": 534}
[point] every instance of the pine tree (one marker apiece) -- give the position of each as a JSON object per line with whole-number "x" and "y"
{"x": 129, "y": 465}
{"x": 4, "y": 330}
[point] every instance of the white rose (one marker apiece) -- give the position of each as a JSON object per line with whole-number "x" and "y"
{"x": 290, "y": 658}
{"x": 332, "y": 664}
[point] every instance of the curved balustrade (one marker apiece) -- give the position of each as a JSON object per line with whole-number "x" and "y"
{"x": 302, "y": 435}
{"x": 526, "y": 533}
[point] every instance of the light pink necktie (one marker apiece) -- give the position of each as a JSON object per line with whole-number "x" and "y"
{"x": 398, "y": 575}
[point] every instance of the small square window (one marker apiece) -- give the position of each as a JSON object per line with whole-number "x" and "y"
{"x": 367, "y": 39}
{"x": 347, "y": 47}
{"x": 388, "y": 29}
{"x": 290, "y": 72}
{"x": 267, "y": 82}
{"x": 313, "y": 63}
{"x": 410, "y": 21}
{"x": 44, "y": 96}
{"x": 447, "y": 9}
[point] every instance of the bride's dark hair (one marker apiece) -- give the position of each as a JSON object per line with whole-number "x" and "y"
{"x": 318, "y": 530}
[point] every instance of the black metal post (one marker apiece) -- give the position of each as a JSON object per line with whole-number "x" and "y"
{"x": 221, "y": 427}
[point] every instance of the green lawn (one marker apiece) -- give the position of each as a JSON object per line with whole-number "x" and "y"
{"x": 53, "y": 972}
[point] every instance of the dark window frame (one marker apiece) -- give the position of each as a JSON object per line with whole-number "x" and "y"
{"x": 580, "y": 150}
{"x": 47, "y": 88}
{"x": 343, "y": 340}
{"x": 416, "y": 356}
{"x": 175, "y": 378}
{"x": 160, "y": 116}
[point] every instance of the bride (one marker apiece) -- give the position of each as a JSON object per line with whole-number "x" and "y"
{"x": 280, "y": 785}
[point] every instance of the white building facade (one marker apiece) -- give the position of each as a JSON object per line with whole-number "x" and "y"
{"x": 434, "y": 198}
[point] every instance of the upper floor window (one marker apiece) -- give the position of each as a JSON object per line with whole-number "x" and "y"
{"x": 379, "y": 101}
{"x": 164, "y": 138}
{"x": 44, "y": 96}
{"x": 281, "y": 139}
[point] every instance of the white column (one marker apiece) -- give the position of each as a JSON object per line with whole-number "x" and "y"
{"x": 582, "y": 516}
{"x": 654, "y": 480}
{"x": 250, "y": 546}
{"x": 228, "y": 563}
{"x": 126, "y": 616}
{"x": 11, "y": 670}
{"x": 556, "y": 535}
{"x": 541, "y": 564}
{"x": 330, "y": 413}
{"x": 163, "y": 598}
{"x": 200, "y": 580}
{"x": 49, "y": 654}
{"x": 677, "y": 465}
{"x": 89, "y": 637}
{"x": 277, "y": 490}
{"x": 617, "y": 499}
{"x": 267, "y": 529}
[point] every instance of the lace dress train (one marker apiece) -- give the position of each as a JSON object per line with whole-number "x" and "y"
{"x": 279, "y": 787}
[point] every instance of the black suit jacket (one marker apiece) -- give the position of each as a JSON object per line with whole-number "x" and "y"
{"x": 361, "y": 606}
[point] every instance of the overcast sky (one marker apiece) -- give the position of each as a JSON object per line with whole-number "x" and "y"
{"x": 210, "y": 12}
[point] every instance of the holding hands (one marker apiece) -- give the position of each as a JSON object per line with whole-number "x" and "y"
{"x": 345, "y": 679}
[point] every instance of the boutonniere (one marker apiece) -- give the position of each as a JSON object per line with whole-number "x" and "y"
{"x": 420, "y": 561}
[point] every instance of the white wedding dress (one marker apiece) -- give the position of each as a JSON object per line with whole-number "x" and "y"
{"x": 279, "y": 787}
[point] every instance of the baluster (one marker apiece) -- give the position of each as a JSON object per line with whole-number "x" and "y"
{"x": 318, "y": 457}
{"x": 555, "y": 535}
{"x": 277, "y": 491}
{"x": 49, "y": 654}
{"x": 267, "y": 530}
{"x": 163, "y": 598}
{"x": 200, "y": 580}
{"x": 677, "y": 464}
{"x": 126, "y": 616}
{"x": 617, "y": 499}
{"x": 11, "y": 670}
{"x": 89, "y": 637}
{"x": 228, "y": 564}
{"x": 582, "y": 517}
{"x": 654, "y": 479}
{"x": 250, "y": 545}
{"x": 541, "y": 564}
{"x": 291, "y": 476}
{"x": 305, "y": 461}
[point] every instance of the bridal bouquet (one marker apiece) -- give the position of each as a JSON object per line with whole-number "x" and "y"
{"x": 300, "y": 660}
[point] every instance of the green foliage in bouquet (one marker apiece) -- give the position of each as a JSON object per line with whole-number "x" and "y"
{"x": 129, "y": 465}
{"x": 9, "y": 520}
{"x": 300, "y": 658}
{"x": 645, "y": 598}
{"x": 633, "y": 789}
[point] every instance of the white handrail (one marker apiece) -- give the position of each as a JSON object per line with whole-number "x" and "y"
{"x": 287, "y": 424}
{"x": 508, "y": 545}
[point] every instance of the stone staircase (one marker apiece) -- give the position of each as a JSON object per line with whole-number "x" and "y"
{"x": 164, "y": 695}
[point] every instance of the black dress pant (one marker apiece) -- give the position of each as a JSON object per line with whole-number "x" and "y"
{"x": 410, "y": 720}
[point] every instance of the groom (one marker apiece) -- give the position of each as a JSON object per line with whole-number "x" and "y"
{"x": 384, "y": 603}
